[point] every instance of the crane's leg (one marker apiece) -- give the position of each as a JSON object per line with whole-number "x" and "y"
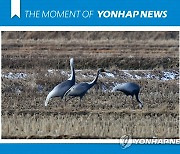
{"x": 80, "y": 98}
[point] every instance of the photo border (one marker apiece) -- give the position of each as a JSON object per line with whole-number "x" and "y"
{"x": 81, "y": 28}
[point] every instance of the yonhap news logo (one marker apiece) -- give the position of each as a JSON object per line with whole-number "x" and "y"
{"x": 132, "y": 14}
{"x": 126, "y": 141}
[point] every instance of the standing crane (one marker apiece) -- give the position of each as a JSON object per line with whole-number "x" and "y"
{"x": 130, "y": 88}
{"x": 79, "y": 90}
{"x": 62, "y": 88}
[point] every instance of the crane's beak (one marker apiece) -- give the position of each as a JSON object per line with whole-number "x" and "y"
{"x": 103, "y": 70}
{"x": 107, "y": 71}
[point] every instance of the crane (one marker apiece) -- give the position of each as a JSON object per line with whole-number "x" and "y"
{"x": 129, "y": 88}
{"x": 62, "y": 88}
{"x": 79, "y": 90}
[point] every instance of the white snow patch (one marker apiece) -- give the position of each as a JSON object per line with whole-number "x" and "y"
{"x": 104, "y": 88}
{"x": 92, "y": 76}
{"x": 169, "y": 76}
{"x": 128, "y": 74}
{"x": 110, "y": 75}
{"x": 151, "y": 76}
{"x": 84, "y": 76}
{"x": 50, "y": 71}
{"x": 65, "y": 73}
{"x": 78, "y": 70}
{"x": 137, "y": 76}
{"x": 100, "y": 76}
{"x": 11, "y": 75}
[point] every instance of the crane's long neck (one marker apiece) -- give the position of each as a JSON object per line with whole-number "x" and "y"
{"x": 72, "y": 77}
{"x": 49, "y": 96}
{"x": 140, "y": 103}
{"x": 92, "y": 83}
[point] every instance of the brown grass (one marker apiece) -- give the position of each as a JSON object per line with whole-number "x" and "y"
{"x": 116, "y": 51}
{"x": 100, "y": 115}
{"x": 90, "y": 125}
{"x": 108, "y": 35}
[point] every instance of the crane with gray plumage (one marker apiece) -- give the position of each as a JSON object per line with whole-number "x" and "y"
{"x": 129, "y": 88}
{"x": 62, "y": 88}
{"x": 79, "y": 90}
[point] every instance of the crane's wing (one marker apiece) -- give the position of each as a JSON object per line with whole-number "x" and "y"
{"x": 127, "y": 88}
{"x": 77, "y": 89}
{"x": 119, "y": 87}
